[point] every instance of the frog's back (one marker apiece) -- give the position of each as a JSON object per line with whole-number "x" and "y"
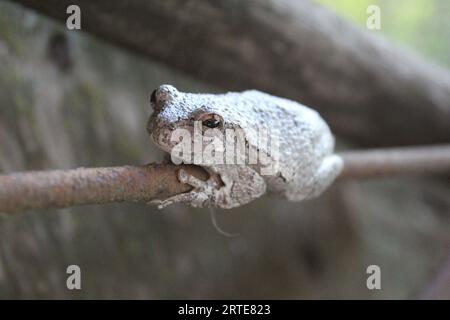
{"x": 304, "y": 138}
{"x": 293, "y": 123}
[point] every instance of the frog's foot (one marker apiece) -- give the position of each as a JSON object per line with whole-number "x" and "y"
{"x": 203, "y": 192}
{"x": 179, "y": 198}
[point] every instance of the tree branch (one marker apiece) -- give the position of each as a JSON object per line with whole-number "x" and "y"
{"x": 65, "y": 188}
{"x": 368, "y": 90}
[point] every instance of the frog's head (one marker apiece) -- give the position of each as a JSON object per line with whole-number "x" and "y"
{"x": 175, "y": 112}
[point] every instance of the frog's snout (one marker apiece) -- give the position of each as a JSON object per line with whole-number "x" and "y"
{"x": 163, "y": 138}
{"x": 164, "y": 93}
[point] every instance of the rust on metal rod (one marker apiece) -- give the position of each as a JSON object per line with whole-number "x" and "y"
{"x": 396, "y": 161}
{"x": 65, "y": 188}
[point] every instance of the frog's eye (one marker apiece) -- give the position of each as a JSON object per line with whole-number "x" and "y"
{"x": 211, "y": 123}
{"x": 211, "y": 120}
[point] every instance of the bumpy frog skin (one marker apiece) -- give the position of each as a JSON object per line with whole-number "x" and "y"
{"x": 306, "y": 163}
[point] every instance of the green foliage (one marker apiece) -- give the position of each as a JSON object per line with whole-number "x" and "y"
{"x": 423, "y": 25}
{"x": 354, "y": 10}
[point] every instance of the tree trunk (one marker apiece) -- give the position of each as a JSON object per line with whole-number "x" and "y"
{"x": 370, "y": 91}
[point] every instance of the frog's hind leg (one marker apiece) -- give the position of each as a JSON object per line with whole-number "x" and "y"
{"x": 328, "y": 171}
{"x": 194, "y": 198}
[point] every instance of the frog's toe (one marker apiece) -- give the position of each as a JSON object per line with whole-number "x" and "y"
{"x": 185, "y": 177}
{"x": 193, "y": 198}
{"x": 160, "y": 203}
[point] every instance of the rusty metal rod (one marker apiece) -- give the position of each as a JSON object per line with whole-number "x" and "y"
{"x": 65, "y": 188}
{"x": 387, "y": 162}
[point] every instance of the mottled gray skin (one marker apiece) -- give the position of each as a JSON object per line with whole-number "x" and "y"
{"x": 307, "y": 165}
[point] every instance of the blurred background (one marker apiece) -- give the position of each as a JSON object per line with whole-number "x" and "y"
{"x": 72, "y": 99}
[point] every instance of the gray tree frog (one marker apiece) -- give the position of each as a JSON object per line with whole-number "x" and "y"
{"x": 306, "y": 164}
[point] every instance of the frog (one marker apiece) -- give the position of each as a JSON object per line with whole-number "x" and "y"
{"x": 301, "y": 166}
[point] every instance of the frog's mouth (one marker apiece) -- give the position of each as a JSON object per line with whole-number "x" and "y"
{"x": 163, "y": 138}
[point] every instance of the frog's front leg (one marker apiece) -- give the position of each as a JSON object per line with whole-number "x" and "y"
{"x": 233, "y": 187}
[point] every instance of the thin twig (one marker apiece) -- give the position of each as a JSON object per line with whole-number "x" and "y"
{"x": 65, "y": 188}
